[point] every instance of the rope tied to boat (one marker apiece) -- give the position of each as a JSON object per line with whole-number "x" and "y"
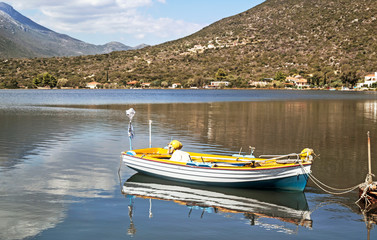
{"x": 364, "y": 195}
{"x": 323, "y": 186}
{"x": 305, "y": 155}
{"x": 368, "y": 186}
{"x": 369, "y": 175}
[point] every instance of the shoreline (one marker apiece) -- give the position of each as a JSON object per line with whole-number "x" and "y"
{"x": 195, "y": 89}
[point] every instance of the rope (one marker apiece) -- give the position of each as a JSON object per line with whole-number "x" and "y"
{"x": 319, "y": 183}
{"x": 365, "y": 195}
{"x": 332, "y": 188}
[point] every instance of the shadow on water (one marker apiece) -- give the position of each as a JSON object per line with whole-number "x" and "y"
{"x": 254, "y": 205}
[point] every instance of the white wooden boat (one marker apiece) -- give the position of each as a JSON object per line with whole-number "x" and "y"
{"x": 286, "y": 172}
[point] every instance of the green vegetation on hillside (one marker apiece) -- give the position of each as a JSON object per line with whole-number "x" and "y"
{"x": 330, "y": 43}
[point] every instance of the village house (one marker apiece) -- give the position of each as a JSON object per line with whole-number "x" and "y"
{"x": 292, "y": 79}
{"x": 217, "y": 84}
{"x": 289, "y": 84}
{"x": 297, "y": 81}
{"x": 368, "y": 80}
{"x": 145, "y": 85}
{"x": 261, "y": 83}
{"x": 176, "y": 85}
{"x": 92, "y": 85}
{"x": 197, "y": 48}
{"x": 132, "y": 83}
{"x": 302, "y": 83}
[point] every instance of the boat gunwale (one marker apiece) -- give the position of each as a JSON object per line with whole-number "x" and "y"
{"x": 219, "y": 167}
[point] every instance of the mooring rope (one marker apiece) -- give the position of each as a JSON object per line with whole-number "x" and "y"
{"x": 321, "y": 185}
{"x": 367, "y": 186}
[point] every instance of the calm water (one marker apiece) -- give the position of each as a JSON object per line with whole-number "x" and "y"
{"x": 60, "y": 154}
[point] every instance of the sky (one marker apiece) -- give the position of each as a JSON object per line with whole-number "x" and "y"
{"x": 131, "y": 22}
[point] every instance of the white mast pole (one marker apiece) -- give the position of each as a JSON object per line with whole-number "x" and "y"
{"x": 370, "y": 180}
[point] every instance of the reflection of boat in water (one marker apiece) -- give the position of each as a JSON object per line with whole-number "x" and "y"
{"x": 369, "y": 213}
{"x": 286, "y": 207}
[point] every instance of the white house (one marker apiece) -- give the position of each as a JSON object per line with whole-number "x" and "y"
{"x": 302, "y": 83}
{"x": 145, "y": 85}
{"x": 298, "y": 81}
{"x": 261, "y": 83}
{"x": 92, "y": 85}
{"x": 368, "y": 80}
{"x": 219, "y": 84}
{"x": 176, "y": 85}
{"x": 197, "y": 48}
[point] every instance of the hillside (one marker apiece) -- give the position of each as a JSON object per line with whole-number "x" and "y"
{"x": 324, "y": 40}
{"x": 21, "y": 37}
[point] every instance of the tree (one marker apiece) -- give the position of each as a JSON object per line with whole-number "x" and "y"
{"x": 62, "y": 82}
{"x": 156, "y": 83}
{"x": 11, "y": 83}
{"x": 45, "y": 79}
{"x": 349, "y": 77}
{"x": 37, "y": 81}
{"x": 164, "y": 84}
{"x": 221, "y": 75}
{"x": 280, "y": 77}
{"x": 315, "y": 79}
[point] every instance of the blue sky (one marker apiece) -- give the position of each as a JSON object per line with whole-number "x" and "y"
{"x": 130, "y": 22}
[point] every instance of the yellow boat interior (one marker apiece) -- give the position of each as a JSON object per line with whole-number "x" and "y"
{"x": 177, "y": 156}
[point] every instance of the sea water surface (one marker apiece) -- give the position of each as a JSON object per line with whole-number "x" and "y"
{"x": 60, "y": 156}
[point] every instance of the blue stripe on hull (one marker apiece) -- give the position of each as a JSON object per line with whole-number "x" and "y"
{"x": 295, "y": 183}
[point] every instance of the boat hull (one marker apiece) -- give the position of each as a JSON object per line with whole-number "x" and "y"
{"x": 291, "y": 178}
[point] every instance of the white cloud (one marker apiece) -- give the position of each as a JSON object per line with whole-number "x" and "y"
{"x": 132, "y": 3}
{"x": 128, "y": 17}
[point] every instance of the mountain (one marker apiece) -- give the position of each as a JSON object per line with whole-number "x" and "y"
{"x": 329, "y": 42}
{"x": 21, "y": 37}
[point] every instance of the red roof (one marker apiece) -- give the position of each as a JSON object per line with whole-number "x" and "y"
{"x": 93, "y": 83}
{"x": 370, "y": 75}
{"x": 132, "y": 83}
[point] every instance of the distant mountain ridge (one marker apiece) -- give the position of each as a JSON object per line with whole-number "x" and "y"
{"x": 20, "y": 18}
{"x": 22, "y": 37}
